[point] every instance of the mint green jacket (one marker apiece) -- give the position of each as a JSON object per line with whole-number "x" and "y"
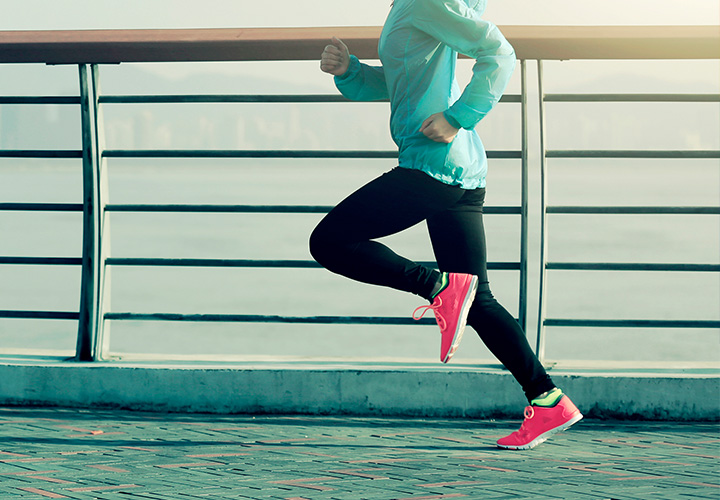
{"x": 418, "y": 49}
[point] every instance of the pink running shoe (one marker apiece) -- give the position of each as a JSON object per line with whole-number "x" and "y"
{"x": 540, "y": 423}
{"x": 451, "y": 308}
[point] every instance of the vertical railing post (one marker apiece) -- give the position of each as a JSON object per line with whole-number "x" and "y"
{"x": 87, "y": 325}
{"x": 542, "y": 299}
{"x": 94, "y": 291}
{"x": 102, "y": 329}
{"x": 522, "y": 313}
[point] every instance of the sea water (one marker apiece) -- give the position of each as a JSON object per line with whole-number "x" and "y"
{"x": 316, "y": 292}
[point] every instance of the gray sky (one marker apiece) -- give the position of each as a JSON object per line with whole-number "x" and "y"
{"x": 114, "y": 14}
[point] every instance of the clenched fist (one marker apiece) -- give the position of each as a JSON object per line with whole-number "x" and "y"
{"x": 437, "y": 128}
{"x": 335, "y": 58}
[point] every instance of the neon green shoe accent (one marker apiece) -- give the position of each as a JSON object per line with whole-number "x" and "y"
{"x": 444, "y": 282}
{"x": 550, "y": 399}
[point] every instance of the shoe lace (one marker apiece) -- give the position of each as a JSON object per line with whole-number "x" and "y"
{"x": 434, "y": 307}
{"x": 529, "y": 413}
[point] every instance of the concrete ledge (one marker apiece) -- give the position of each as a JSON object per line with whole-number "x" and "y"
{"x": 354, "y": 388}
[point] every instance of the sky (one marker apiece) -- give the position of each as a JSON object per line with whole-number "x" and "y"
{"x": 127, "y": 14}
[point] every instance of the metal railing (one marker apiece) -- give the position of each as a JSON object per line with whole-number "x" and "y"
{"x": 89, "y": 49}
{"x": 94, "y": 314}
{"x": 546, "y": 210}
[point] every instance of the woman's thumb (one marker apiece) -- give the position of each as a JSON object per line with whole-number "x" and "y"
{"x": 338, "y": 43}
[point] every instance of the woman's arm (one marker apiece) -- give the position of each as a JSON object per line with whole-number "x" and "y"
{"x": 355, "y": 80}
{"x": 461, "y": 28}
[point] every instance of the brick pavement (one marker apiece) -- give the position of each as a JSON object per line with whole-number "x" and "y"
{"x": 80, "y": 454}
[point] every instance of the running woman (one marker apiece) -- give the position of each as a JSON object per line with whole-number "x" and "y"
{"x": 440, "y": 179}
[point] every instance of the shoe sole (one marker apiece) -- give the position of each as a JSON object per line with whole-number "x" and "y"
{"x": 464, "y": 311}
{"x": 544, "y": 436}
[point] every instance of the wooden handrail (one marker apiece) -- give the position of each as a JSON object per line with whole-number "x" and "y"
{"x": 283, "y": 44}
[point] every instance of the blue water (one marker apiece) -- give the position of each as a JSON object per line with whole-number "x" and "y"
{"x": 309, "y": 292}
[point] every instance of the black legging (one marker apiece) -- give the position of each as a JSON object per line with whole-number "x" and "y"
{"x": 342, "y": 243}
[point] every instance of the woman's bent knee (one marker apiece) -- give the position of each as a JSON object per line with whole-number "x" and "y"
{"x": 319, "y": 247}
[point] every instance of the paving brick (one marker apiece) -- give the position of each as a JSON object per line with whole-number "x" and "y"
{"x": 56, "y": 453}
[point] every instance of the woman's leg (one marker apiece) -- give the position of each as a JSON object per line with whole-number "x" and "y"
{"x": 458, "y": 238}
{"x": 342, "y": 241}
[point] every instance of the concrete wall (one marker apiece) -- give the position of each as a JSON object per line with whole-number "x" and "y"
{"x": 415, "y": 391}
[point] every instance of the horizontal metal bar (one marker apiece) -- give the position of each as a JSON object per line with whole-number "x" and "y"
{"x": 706, "y": 154}
{"x": 44, "y": 261}
{"x": 618, "y": 266}
{"x": 632, "y": 323}
{"x": 635, "y": 210}
{"x": 256, "y": 318}
{"x": 266, "y": 209}
{"x": 201, "y": 99}
{"x": 170, "y": 262}
{"x": 252, "y": 263}
{"x": 632, "y": 98}
{"x": 305, "y": 44}
{"x": 221, "y": 98}
{"x": 217, "y": 153}
{"x": 263, "y": 209}
{"x": 232, "y": 98}
{"x": 205, "y": 153}
{"x": 41, "y": 207}
{"x": 39, "y": 315}
{"x": 43, "y": 153}
{"x": 39, "y": 100}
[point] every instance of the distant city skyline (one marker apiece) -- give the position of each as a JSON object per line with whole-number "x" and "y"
{"x": 265, "y": 126}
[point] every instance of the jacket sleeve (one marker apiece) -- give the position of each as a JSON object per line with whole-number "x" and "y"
{"x": 362, "y": 82}
{"x": 453, "y": 23}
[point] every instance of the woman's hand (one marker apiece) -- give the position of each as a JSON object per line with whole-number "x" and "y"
{"x": 438, "y": 129}
{"x": 335, "y": 58}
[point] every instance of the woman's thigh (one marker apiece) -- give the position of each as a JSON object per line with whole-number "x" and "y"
{"x": 387, "y": 205}
{"x": 458, "y": 236}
